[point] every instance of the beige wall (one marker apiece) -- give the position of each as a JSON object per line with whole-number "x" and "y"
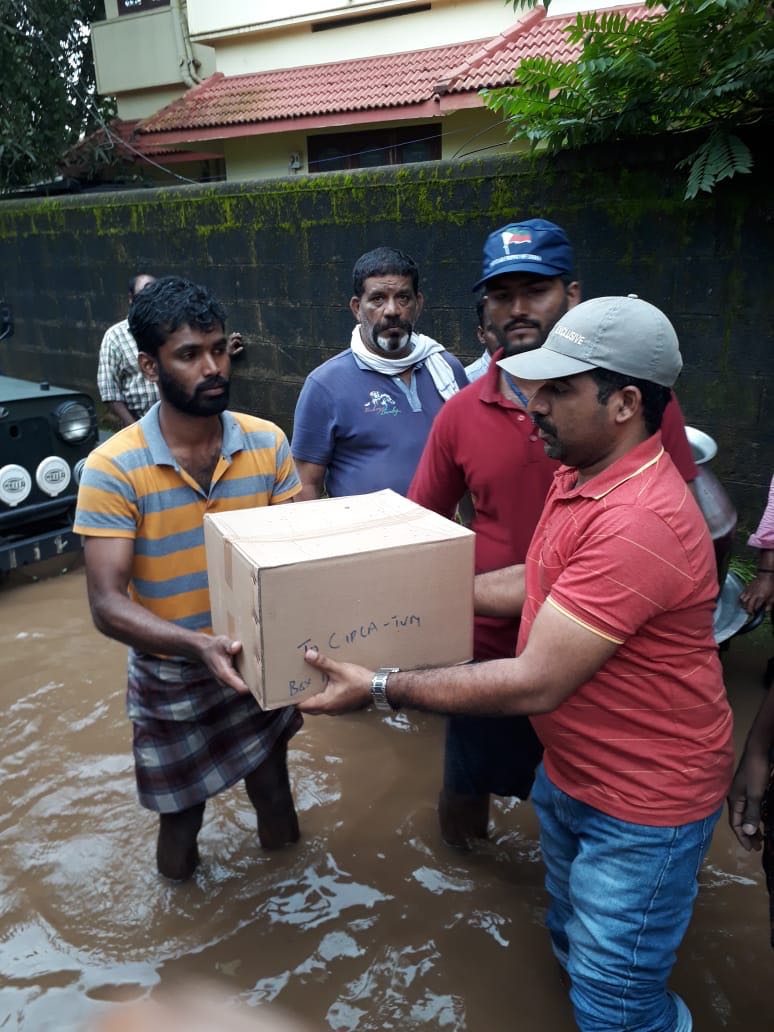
{"x": 475, "y": 131}
{"x": 208, "y": 18}
{"x": 295, "y": 45}
{"x": 142, "y": 103}
{"x": 135, "y": 52}
{"x": 142, "y": 59}
{"x": 262, "y": 157}
{"x": 257, "y": 36}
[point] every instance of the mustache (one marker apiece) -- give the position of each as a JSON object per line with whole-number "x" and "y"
{"x": 542, "y": 424}
{"x": 393, "y": 324}
{"x": 518, "y": 324}
{"x": 210, "y": 383}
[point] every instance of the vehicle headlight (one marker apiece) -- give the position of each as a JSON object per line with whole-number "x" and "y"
{"x": 74, "y": 422}
{"x": 52, "y": 475}
{"x": 78, "y": 470}
{"x": 15, "y": 484}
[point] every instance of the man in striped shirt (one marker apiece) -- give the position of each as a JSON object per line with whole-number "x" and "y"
{"x": 143, "y": 495}
{"x": 122, "y": 386}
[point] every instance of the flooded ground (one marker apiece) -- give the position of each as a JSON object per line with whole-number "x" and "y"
{"x": 369, "y": 923}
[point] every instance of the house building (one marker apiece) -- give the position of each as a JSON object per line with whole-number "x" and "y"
{"x": 245, "y": 89}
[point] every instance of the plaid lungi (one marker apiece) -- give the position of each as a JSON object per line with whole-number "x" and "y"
{"x": 193, "y": 737}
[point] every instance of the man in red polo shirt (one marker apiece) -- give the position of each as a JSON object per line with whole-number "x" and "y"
{"x": 483, "y": 442}
{"x": 616, "y": 666}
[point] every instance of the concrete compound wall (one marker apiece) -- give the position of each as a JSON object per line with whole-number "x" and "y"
{"x": 279, "y": 254}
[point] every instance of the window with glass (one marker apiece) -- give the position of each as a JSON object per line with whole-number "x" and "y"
{"x": 396, "y": 146}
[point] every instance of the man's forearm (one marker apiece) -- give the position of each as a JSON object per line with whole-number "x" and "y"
{"x": 761, "y": 734}
{"x": 312, "y": 477}
{"x": 439, "y": 502}
{"x": 120, "y": 410}
{"x": 309, "y": 492}
{"x": 495, "y": 688}
{"x": 120, "y": 618}
{"x": 499, "y": 593}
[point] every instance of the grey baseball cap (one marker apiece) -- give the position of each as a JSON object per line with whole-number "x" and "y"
{"x": 624, "y": 334}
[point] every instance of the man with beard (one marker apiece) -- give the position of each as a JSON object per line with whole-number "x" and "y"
{"x": 363, "y": 417}
{"x": 484, "y": 443}
{"x": 142, "y": 498}
{"x": 122, "y": 386}
{"x": 616, "y": 665}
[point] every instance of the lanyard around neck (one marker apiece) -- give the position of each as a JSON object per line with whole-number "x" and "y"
{"x": 516, "y": 389}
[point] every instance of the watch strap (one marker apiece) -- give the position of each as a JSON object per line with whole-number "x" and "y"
{"x": 379, "y": 688}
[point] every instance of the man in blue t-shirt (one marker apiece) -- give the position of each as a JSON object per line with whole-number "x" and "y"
{"x": 363, "y": 417}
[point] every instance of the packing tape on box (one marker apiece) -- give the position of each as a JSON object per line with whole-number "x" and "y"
{"x": 373, "y": 524}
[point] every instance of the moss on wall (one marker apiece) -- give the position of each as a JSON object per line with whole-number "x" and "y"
{"x": 279, "y": 254}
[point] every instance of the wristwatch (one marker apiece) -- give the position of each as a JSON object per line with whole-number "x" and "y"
{"x": 379, "y": 687}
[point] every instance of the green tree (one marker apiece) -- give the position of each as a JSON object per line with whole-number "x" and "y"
{"x": 48, "y": 95}
{"x": 702, "y": 66}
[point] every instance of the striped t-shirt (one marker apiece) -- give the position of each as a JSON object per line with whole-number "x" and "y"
{"x": 132, "y": 487}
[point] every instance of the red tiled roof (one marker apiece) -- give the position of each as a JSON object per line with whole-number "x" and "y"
{"x": 405, "y": 81}
{"x": 494, "y": 62}
{"x": 122, "y": 146}
{"x": 357, "y": 85}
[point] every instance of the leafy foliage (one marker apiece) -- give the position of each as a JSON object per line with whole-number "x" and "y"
{"x": 690, "y": 65}
{"x": 48, "y": 96}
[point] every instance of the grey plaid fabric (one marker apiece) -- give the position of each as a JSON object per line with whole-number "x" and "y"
{"x": 193, "y": 737}
{"x": 118, "y": 375}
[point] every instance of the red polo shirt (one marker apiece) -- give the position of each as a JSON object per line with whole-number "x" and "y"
{"x": 484, "y": 443}
{"x": 628, "y": 555}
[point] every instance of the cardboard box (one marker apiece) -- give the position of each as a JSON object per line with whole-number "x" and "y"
{"x": 372, "y": 579}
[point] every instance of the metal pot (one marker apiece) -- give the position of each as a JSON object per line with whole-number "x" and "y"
{"x": 717, "y": 508}
{"x": 730, "y": 616}
{"x": 719, "y": 512}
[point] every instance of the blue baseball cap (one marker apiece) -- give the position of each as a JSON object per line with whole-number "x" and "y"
{"x": 535, "y": 245}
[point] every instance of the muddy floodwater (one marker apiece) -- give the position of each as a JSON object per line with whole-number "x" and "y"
{"x": 369, "y": 922}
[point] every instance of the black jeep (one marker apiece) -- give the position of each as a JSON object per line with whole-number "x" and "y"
{"x": 46, "y": 432}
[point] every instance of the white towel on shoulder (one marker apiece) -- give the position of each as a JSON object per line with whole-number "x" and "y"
{"x": 424, "y": 349}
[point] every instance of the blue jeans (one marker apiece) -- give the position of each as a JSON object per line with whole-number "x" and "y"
{"x": 621, "y": 899}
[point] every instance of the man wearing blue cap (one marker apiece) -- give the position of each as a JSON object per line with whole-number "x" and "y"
{"x": 616, "y": 666}
{"x": 483, "y": 442}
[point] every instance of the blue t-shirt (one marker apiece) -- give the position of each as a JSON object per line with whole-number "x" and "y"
{"x": 366, "y": 428}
